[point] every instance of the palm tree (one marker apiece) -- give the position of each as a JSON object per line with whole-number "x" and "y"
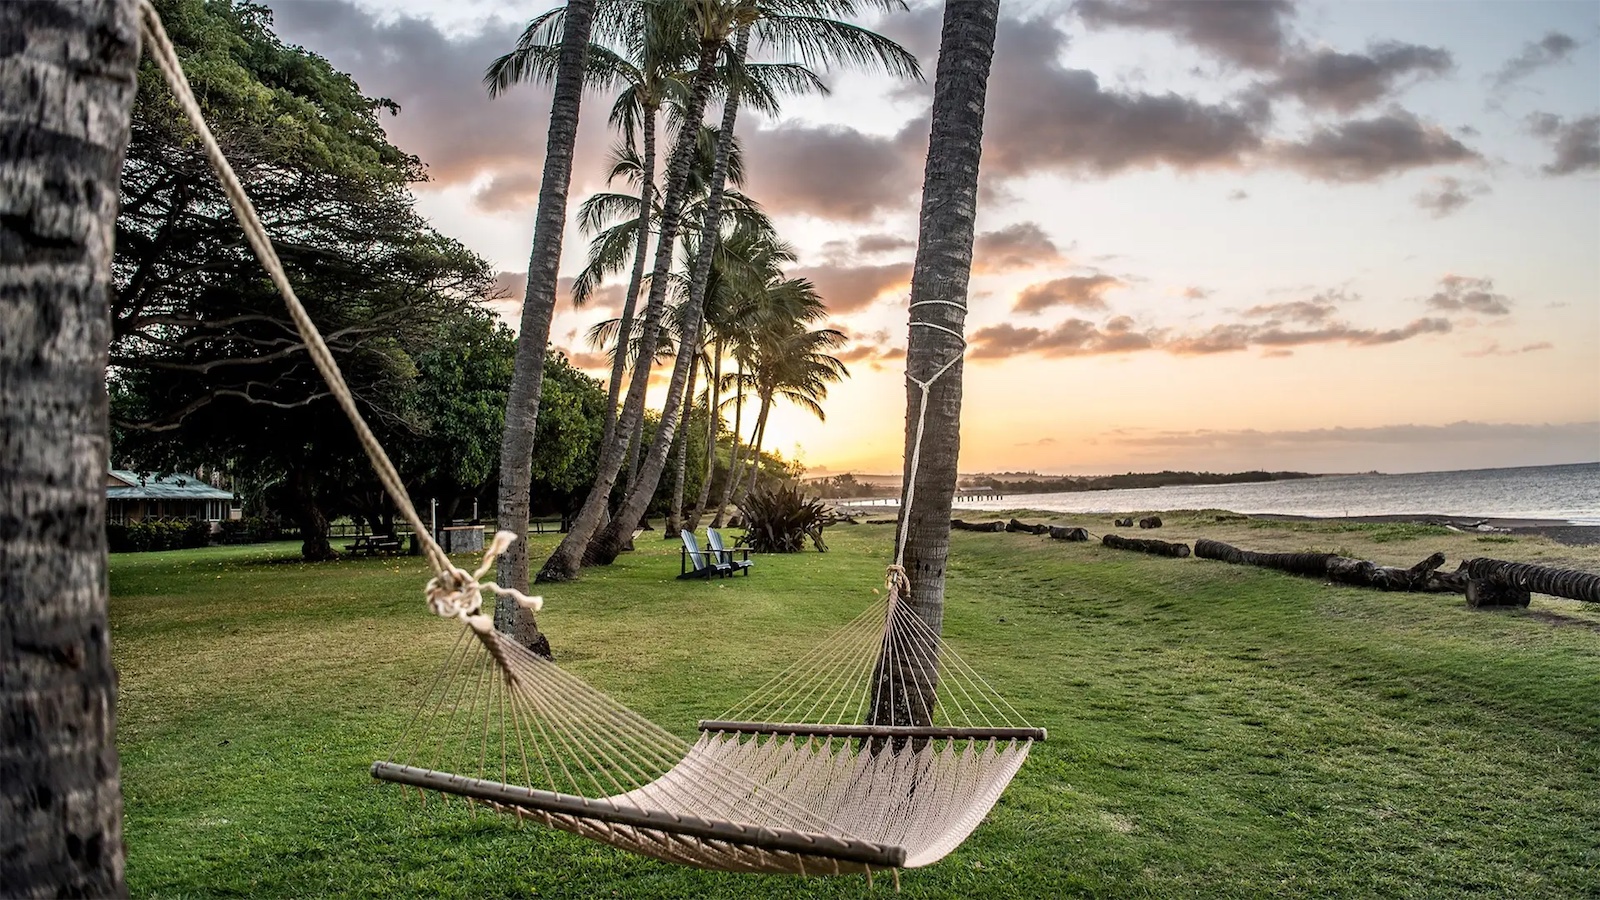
{"x": 788, "y": 25}
{"x": 538, "y": 306}
{"x": 71, "y": 70}
{"x": 938, "y": 304}
{"x": 790, "y": 363}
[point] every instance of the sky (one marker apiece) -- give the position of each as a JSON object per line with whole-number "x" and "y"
{"x": 1326, "y": 237}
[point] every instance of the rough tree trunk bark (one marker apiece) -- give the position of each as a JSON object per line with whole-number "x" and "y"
{"x": 733, "y": 453}
{"x": 308, "y": 517}
{"x": 67, "y": 83}
{"x": 564, "y": 563}
{"x": 538, "y": 305}
{"x": 630, "y": 300}
{"x": 713, "y": 394}
{"x": 904, "y": 693}
{"x": 615, "y": 538}
{"x": 674, "y": 522}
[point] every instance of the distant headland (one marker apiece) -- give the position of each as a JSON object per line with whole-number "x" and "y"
{"x": 850, "y": 485}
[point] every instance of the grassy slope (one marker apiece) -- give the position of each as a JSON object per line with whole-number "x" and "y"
{"x": 1215, "y": 731}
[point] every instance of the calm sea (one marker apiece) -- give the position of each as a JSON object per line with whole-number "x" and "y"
{"x": 1568, "y": 492}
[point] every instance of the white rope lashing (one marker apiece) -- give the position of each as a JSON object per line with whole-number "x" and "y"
{"x": 453, "y": 592}
{"x": 896, "y": 579}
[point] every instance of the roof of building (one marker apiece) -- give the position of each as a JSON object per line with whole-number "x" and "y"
{"x": 152, "y": 486}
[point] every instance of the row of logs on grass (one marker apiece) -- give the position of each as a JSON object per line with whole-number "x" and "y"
{"x": 1495, "y": 582}
{"x": 1146, "y": 545}
{"x": 1424, "y": 576}
{"x": 1069, "y": 533}
{"x": 1018, "y": 527}
{"x": 959, "y": 525}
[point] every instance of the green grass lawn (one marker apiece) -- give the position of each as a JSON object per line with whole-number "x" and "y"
{"x": 1214, "y": 730}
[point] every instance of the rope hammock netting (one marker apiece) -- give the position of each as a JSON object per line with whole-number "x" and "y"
{"x": 787, "y": 781}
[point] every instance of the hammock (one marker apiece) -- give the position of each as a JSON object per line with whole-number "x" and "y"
{"x": 786, "y": 782}
{"x": 781, "y": 783}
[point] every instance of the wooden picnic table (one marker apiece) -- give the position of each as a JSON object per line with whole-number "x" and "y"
{"x": 373, "y": 544}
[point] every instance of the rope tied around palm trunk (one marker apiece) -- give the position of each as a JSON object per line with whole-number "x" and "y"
{"x": 453, "y": 592}
{"x": 899, "y": 584}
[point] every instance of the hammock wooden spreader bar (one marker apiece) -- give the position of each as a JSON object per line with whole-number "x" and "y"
{"x": 836, "y": 730}
{"x": 765, "y": 837}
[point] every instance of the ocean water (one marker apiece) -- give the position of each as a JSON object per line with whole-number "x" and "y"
{"x": 1570, "y": 493}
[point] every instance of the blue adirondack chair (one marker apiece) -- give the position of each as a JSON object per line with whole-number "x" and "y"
{"x": 725, "y": 556}
{"x": 704, "y": 562}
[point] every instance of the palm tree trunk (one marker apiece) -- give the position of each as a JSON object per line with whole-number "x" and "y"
{"x": 614, "y": 539}
{"x": 757, "y": 439}
{"x": 538, "y": 305}
{"x": 564, "y": 563}
{"x": 675, "y": 512}
{"x": 70, "y": 73}
{"x": 905, "y": 683}
{"x": 734, "y": 454}
{"x": 636, "y": 280}
{"x": 713, "y": 394}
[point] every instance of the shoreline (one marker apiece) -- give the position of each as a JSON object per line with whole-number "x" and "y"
{"x": 1561, "y": 531}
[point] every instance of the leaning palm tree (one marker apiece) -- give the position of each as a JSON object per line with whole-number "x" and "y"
{"x": 792, "y": 364}
{"x": 69, "y": 68}
{"x": 903, "y": 691}
{"x": 538, "y": 307}
{"x": 786, "y": 25}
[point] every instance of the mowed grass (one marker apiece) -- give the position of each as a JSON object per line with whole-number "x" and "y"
{"x": 1215, "y": 731}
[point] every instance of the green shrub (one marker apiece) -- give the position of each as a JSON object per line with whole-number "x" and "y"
{"x": 157, "y": 534}
{"x": 250, "y": 530}
{"x": 780, "y": 520}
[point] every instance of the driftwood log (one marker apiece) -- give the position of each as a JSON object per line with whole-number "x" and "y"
{"x": 1066, "y": 533}
{"x": 959, "y": 525}
{"x": 883, "y": 521}
{"x": 1150, "y": 522}
{"x": 1020, "y": 527}
{"x": 1124, "y": 523}
{"x": 1424, "y": 576}
{"x": 1299, "y": 563}
{"x": 1146, "y": 545}
{"x": 1495, "y": 582}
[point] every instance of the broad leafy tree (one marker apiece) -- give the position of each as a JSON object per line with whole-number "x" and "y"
{"x": 68, "y": 70}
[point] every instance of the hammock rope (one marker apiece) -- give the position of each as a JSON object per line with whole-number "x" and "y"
{"x": 777, "y": 785}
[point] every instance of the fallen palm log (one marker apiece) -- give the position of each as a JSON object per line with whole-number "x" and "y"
{"x": 1146, "y": 545}
{"x": 1495, "y": 582}
{"x": 1066, "y": 533}
{"x": 1299, "y": 563}
{"x": 959, "y": 525}
{"x": 1123, "y": 523}
{"x": 1150, "y": 522}
{"x": 895, "y": 521}
{"x": 1365, "y": 573}
{"x": 1424, "y": 576}
{"x": 1018, "y": 527}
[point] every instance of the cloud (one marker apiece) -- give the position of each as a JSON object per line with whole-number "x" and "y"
{"x": 847, "y": 288}
{"x": 883, "y": 243}
{"x": 873, "y": 349}
{"x": 1074, "y": 337}
{"x": 447, "y": 118}
{"x": 1238, "y": 194}
{"x": 1270, "y": 335}
{"x": 1318, "y": 309}
{"x": 1455, "y": 432}
{"x": 1195, "y": 292}
{"x": 1020, "y": 246}
{"x": 829, "y": 171}
{"x": 1494, "y": 349}
{"x": 1369, "y": 149}
{"x": 1459, "y": 294}
{"x": 1448, "y": 195}
{"x": 1553, "y": 48}
{"x": 1576, "y": 144}
{"x": 1344, "y": 82}
{"x": 1041, "y": 116}
{"x": 1249, "y": 33}
{"x": 1078, "y": 291}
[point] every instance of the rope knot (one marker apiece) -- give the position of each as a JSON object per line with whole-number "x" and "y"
{"x": 897, "y": 582}
{"x": 458, "y": 594}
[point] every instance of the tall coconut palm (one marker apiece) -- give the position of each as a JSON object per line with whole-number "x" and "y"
{"x": 904, "y": 693}
{"x": 816, "y": 39}
{"x": 70, "y": 70}
{"x": 538, "y": 306}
